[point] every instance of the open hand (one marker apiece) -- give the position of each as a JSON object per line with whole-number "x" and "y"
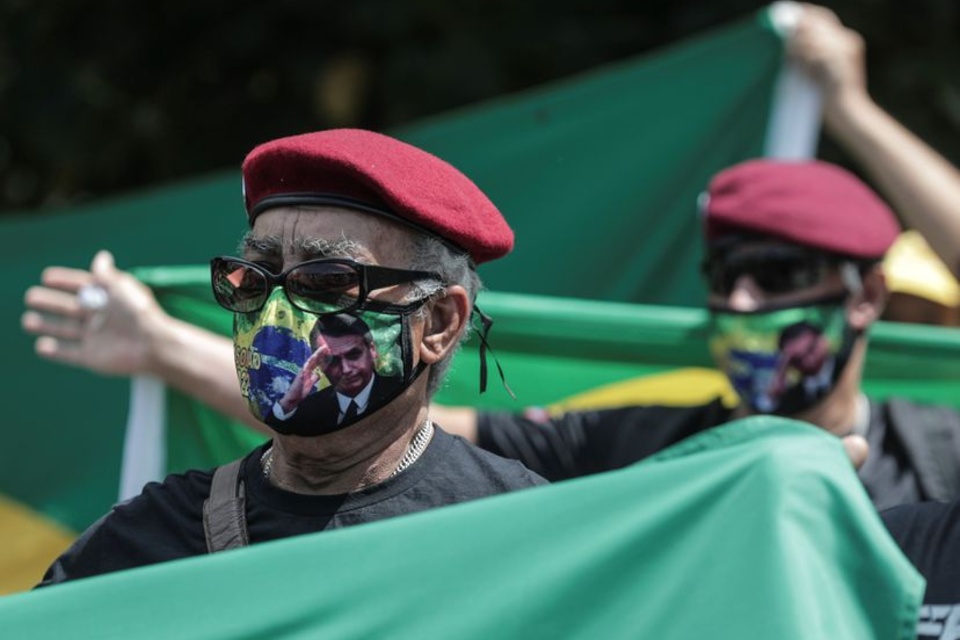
{"x": 113, "y": 339}
{"x": 306, "y": 379}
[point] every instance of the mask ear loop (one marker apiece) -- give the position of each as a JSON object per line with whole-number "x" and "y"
{"x": 486, "y": 322}
{"x": 850, "y": 275}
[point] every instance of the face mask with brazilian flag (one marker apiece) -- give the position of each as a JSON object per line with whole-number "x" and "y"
{"x": 307, "y": 374}
{"x": 786, "y": 360}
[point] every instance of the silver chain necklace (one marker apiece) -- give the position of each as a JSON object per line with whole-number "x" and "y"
{"x": 414, "y": 450}
{"x": 416, "y": 447}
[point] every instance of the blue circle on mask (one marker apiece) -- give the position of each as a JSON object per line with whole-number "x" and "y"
{"x": 282, "y": 355}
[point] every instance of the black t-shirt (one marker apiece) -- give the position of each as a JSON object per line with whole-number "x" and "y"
{"x": 929, "y": 535}
{"x": 889, "y": 473}
{"x": 165, "y": 522}
{"x": 579, "y": 443}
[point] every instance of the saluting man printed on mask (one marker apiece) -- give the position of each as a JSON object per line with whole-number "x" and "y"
{"x": 339, "y": 382}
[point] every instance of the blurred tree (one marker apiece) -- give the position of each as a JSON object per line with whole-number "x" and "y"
{"x": 103, "y": 96}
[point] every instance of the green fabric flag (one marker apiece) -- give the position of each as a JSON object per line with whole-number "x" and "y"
{"x": 758, "y": 529}
{"x": 553, "y": 348}
{"x": 599, "y": 175}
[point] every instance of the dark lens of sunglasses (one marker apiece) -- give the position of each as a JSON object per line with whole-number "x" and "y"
{"x": 785, "y": 276}
{"x": 772, "y": 275}
{"x": 324, "y": 287}
{"x": 239, "y": 287}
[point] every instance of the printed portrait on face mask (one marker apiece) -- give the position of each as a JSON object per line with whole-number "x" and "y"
{"x": 805, "y": 356}
{"x": 308, "y": 374}
{"x": 782, "y": 361}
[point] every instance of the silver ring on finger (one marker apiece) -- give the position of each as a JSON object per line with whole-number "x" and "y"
{"x": 92, "y": 297}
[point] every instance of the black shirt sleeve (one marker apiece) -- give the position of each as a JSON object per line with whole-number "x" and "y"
{"x": 81, "y": 560}
{"x": 163, "y": 523}
{"x": 579, "y": 443}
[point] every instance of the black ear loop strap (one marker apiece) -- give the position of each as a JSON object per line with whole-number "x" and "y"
{"x": 485, "y": 323}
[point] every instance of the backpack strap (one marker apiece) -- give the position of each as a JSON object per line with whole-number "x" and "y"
{"x": 931, "y": 436}
{"x": 224, "y": 517}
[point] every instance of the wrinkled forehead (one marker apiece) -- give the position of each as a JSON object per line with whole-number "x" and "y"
{"x": 304, "y": 232}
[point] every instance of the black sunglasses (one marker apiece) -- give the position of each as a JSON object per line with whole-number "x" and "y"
{"x": 326, "y": 285}
{"x": 776, "y": 271}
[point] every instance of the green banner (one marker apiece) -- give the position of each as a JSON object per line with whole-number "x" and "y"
{"x": 599, "y": 175}
{"x": 758, "y": 529}
{"x": 553, "y": 348}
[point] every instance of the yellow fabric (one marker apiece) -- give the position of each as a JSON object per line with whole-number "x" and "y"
{"x": 680, "y": 387}
{"x": 31, "y": 542}
{"x": 912, "y": 267}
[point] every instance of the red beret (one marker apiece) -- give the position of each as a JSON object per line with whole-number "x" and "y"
{"x": 375, "y": 173}
{"x": 811, "y": 203}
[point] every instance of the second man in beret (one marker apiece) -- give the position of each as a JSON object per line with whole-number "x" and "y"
{"x": 794, "y": 284}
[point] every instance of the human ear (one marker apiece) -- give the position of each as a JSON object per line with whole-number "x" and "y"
{"x": 446, "y": 319}
{"x": 866, "y": 306}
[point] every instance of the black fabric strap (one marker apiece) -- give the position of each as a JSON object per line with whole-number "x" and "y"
{"x": 486, "y": 322}
{"x": 224, "y": 517}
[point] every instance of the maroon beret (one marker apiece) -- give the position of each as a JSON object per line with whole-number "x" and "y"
{"x": 376, "y": 173}
{"x": 810, "y": 203}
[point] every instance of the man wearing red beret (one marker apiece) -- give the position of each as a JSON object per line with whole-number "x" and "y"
{"x": 792, "y": 267}
{"x": 348, "y": 228}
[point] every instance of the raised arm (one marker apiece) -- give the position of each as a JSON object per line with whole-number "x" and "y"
{"x": 922, "y": 186}
{"x": 130, "y": 335}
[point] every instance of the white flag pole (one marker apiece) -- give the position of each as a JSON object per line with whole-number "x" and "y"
{"x": 144, "y": 445}
{"x": 795, "y": 116}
